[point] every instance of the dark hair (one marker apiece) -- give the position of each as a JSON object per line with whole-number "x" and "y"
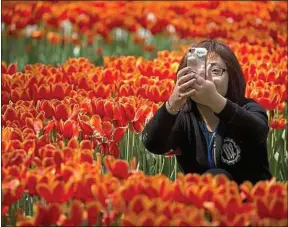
{"x": 236, "y": 80}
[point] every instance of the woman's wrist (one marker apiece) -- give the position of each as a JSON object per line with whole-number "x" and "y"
{"x": 170, "y": 108}
{"x": 217, "y": 103}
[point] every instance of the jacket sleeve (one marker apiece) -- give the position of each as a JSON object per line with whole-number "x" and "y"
{"x": 163, "y": 132}
{"x": 249, "y": 122}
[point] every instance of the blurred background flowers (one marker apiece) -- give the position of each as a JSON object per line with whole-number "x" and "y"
{"x": 81, "y": 79}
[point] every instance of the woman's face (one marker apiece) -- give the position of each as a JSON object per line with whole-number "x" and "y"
{"x": 217, "y": 69}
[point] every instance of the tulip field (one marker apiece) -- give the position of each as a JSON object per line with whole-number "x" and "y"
{"x": 79, "y": 81}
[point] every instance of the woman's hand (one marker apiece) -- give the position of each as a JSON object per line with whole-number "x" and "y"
{"x": 183, "y": 88}
{"x": 204, "y": 92}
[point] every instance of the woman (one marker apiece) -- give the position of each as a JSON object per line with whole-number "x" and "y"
{"x": 210, "y": 123}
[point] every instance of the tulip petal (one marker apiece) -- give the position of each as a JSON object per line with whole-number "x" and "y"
{"x": 118, "y": 134}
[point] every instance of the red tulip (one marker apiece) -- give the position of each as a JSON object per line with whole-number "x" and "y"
{"x": 86, "y": 128}
{"x": 118, "y": 134}
{"x": 137, "y": 127}
{"x": 42, "y": 92}
{"x": 11, "y": 69}
{"x": 86, "y": 156}
{"x": 11, "y": 192}
{"x": 11, "y": 114}
{"x": 83, "y": 189}
{"x": 73, "y": 143}
{"x": 60, "y": 90}
{"x": 86, "y": 144}
{"x": 5, "y": 97}
{"x": 118, "y": 168}
{"x": 31, "y": 182}
{"x": 62, "y": 111}
{"x": 114, "y": 149}
{"x": 107, "y": 129}
{"x": 50, "y": 126}
{"x": 130, "y": 111}
{"x": 68, "y": 129}
{"x": 92, "y": 212}
{"x": 109, "y": 109}
{"x": 98, "y": 107}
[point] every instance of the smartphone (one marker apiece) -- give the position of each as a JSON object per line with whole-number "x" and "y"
{"x": 197, "y": 60}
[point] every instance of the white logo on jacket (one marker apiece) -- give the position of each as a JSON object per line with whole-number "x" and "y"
{"x": 230, "y": 152}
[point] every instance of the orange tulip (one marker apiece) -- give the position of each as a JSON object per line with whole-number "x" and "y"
{"x": 17, "y": 157}
{"x": 102, "y": 91}
{"x": 139, "y": 204}
{"x": 278, "y": 123}
{"x": 96, "y": 122}
{"x": 45, "y": 215}
{"x": 101, "y": 193}
{"x": 53, "y": 38}
{"x": 275, "y": 208}
{"x": 269, "y": 103}
{"x": 37, "y": 34}
{"x": 16, "y": 94}
{"x": 11, "y": 69}
{"x": 57, "y": 192}
{"x": 149, "y": 48}
{"x": 126, "y": 90}
{"x": 224, "y": 212}
{"x": 60, "y": 91}
{"x": 178, "y": 194}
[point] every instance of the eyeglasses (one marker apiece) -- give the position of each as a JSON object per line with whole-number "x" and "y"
{"x": 216, "y": 71}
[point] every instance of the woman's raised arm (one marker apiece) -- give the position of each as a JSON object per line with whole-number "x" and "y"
{"x": 163, "y": 132}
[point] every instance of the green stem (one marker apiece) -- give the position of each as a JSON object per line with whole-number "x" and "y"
{"x": 133, "y": 146}
{"x": 175, "y": 168}
{"x": 128, "y": 144}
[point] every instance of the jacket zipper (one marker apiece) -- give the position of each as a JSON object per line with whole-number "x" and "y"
{"x": 214, "y": 151}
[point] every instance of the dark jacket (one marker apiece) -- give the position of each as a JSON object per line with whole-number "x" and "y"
{"x": 239, "y": 146}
